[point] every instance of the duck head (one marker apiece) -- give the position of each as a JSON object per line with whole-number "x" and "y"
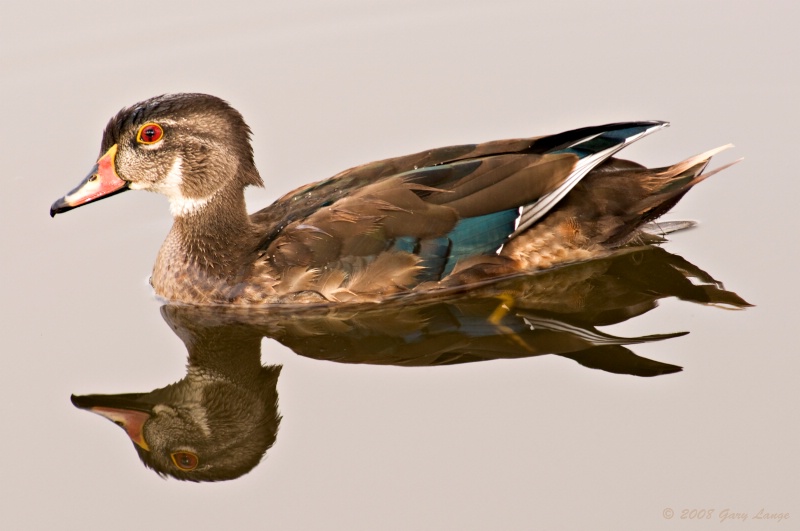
{"x": 187, "y": 147}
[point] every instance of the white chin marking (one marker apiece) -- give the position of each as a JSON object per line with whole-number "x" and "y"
{"x": 181, "y": 206}
{"x": 171, "y": 187}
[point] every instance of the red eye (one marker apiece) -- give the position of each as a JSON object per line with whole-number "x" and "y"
{"x": 184, "y": 460}
{"x": 149, "y": 134}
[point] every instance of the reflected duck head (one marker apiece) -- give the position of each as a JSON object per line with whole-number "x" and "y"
{"x": 185, "y": 146}
{"x": 213, "y": 431}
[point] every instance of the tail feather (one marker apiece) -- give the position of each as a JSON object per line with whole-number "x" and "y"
{"x": 702, "y": 158}
{"x": 663, "y": 189}
{"x": 656, "y": 231}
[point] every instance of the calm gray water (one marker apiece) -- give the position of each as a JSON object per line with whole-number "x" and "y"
{"x": 538, "y": 442}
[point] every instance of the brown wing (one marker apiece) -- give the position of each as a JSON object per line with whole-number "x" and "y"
{"x": 307, "y": 199}
{"x": 418, "y": 206}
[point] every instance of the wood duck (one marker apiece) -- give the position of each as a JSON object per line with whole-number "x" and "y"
{"x": 449, "y": 216}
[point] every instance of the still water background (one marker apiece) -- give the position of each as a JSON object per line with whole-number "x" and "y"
{"x": 508, "y": 444}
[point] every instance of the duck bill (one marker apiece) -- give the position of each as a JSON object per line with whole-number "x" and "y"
{"x": 123, "y": 410}
{"x": 101, "y": 182}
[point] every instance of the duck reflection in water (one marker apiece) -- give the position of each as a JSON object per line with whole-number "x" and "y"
{"x": 218, "y": 422}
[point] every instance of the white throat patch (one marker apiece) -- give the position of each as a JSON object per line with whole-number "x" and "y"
{"x": 171, "y": 187}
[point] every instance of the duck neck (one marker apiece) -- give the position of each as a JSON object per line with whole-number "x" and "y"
{"x": 211, "y": 241}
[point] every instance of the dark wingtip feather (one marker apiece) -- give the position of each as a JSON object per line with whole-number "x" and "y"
{"x": 566, "y": 139}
